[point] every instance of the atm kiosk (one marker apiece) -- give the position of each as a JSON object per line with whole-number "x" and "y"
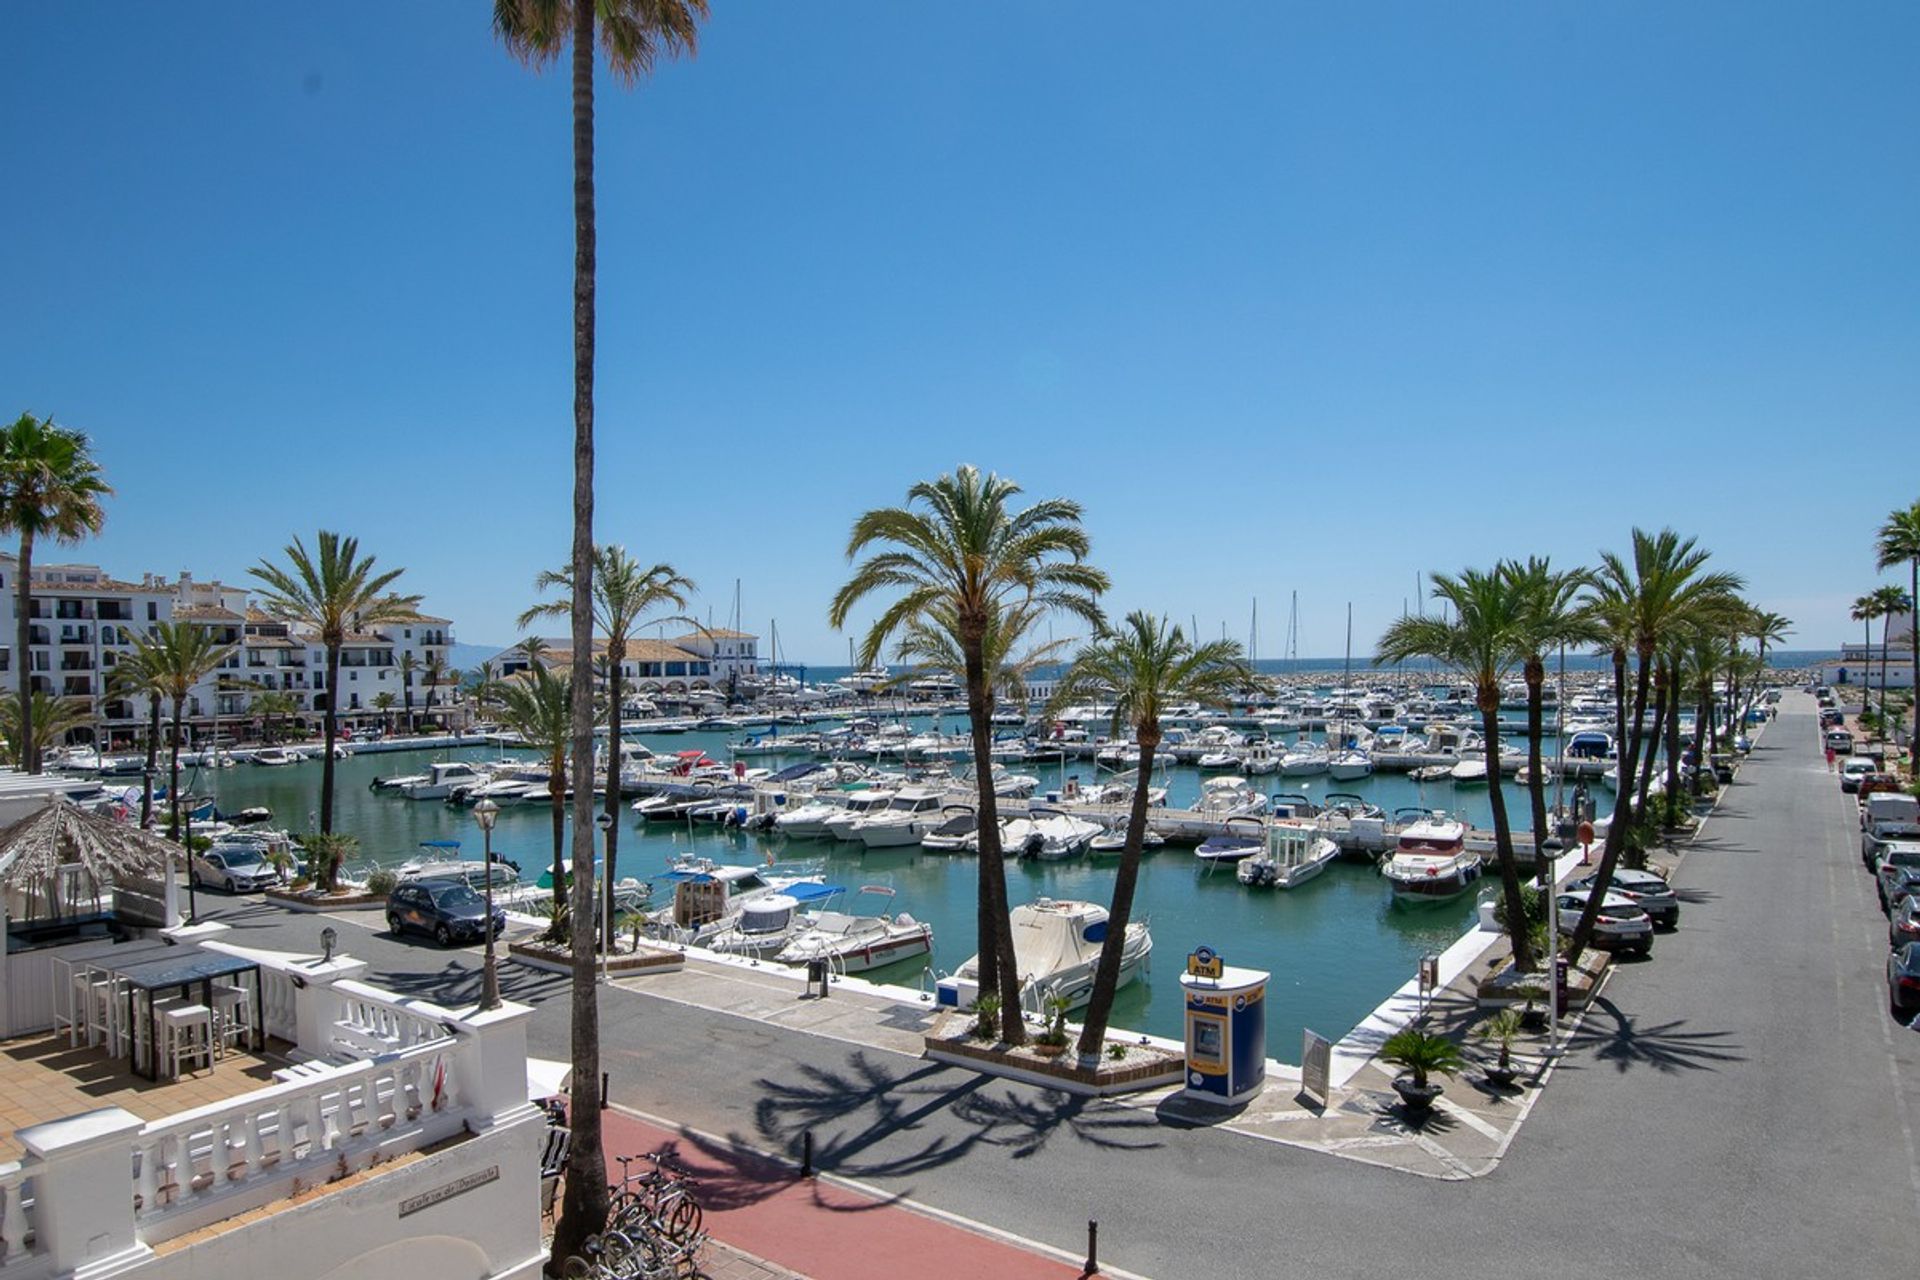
{"x": 1226, "y": 1029}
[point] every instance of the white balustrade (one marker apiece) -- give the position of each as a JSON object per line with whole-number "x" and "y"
{"x": 373, "y": 1021}
{"x": 16, "y": 1217}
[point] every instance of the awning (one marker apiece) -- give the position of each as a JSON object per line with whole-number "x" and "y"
{"x": 547, "y": 1078}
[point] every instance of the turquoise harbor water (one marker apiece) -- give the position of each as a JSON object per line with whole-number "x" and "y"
{"x": 1336, "y": 946}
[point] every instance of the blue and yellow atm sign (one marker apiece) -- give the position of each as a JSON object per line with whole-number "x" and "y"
{"x": 1204, "y": 962}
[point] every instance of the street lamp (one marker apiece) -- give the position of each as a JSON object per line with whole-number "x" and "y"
{"x": 604, "y": 821}
{"x": 485, "y": 812}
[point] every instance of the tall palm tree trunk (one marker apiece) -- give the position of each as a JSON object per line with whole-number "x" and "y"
{"x": 1536, "y": 674}
{"x": 1622, "y": 812}
{"x": 1702, "y": 715}
{"x": 584, "y": 1211}
{"x": 1106, "y": 974}
{"x": 1516, "y": 907}
{"x": 557, "y": 803}
{"x": 1644, "y": 783}
{"x": 1886, "y": 625}
{"x": 1672, "y": 797}
{"x": 28, "y": 752}
{"x": 997, "y": 973}
{"x": 1913, "y": 638}
{"x": 153, "y": 760}
{"x": 173, "y": 800}
{"x": 329, "y": 733}
{"x": 1620, "y": 707}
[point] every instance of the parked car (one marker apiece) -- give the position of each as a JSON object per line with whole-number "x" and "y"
{"x": 1621, "y": 925}
{"x": 1903, "y": 980}
{"x": 1829, "y": 717}
{"x": 1904, "y": 885}
{"x": 1896, "y": 858}
{"x": 1904, "y": 927}
{"x": 1653, "y": 895}
{"x": 1885, "y": 816}
{"x": 449, "y": 910}
{"x": 1840, "y": 742}
{"x": 1722, "y": 768}
{"x": 235, "y": 868}
{"x": 1852, "y": 769}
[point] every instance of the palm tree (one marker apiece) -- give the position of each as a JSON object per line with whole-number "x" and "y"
{"x": 960, "y": 557}
{"x": 635, "y": 34}
{"x": 1899, "y": 539}
{"x": 331, "y": 593}
{"x": 1866, "y": 609}
{"x": 1481, "y": 635}
{"x": 1893, "y": 601}
{"x": 408, "y": 665}
{"x": 383, "y": 703}
{"x": 182, "y": 654}
{"x": 436, "y": 674}
{"x": 53, "y": 718}
{"x": 1144, "y": 666}
{"x": 1550, "y": 619}
{"x": 623, "y": 595}
{"x": 1646, "y": 601}
{"x": 140, "y": 674}
{"x": 1768, "y": 628}
{"x": 273, "y": 707}
{"x": 50, "y": 487}
{"x": 539, "y": 707}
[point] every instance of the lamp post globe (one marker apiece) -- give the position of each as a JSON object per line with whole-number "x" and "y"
{"x": 486, "y": 812}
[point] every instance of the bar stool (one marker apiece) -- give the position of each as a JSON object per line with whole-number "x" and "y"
{"x": 96, "y": 993}
{"x": 232, "y": 1017}
{"x": 186, "y": 1036}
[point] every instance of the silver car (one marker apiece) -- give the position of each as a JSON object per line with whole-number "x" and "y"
{"x": 1621, "y": 925}
{"x": 1653, "y": 894}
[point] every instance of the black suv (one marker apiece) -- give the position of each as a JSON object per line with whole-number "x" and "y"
{"x": 450, "y": 910}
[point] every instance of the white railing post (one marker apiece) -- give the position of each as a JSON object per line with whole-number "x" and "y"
{"x": 316, "y": 1005}
{"x": 83, "y": 1212}
{"x": 491, "y": 1069}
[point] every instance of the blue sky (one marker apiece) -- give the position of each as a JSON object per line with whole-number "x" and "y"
{"x": 1292, "y": 298}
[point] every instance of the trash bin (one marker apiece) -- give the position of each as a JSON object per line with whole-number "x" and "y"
{"x": 817, "y": 979}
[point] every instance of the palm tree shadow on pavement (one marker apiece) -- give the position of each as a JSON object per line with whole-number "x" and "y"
{"x": 1613, "y": 1036}
{"x": 851, "y": 1113}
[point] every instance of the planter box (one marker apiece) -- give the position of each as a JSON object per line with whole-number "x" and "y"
{"x": 538, "y": 955}
{"x": 1143, "y": 1067}
{"x": 1583, "y": 979}
{"x": 305, "y": 900}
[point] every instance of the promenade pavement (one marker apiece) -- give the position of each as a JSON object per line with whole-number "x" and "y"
{"x": 1739, "y": 1105}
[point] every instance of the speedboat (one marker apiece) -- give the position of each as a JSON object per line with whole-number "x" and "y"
{"x": 1112, "y": 842}
{"x": 955, "y": 833}
{"x": 1047, "y": 834}
{"x": 1292, "y": 856}
{"x": 1244, "y": 837}
{"x": 1432, "y": 773}
{"x": 854, "y": 942}
{"x": 769, "y": 922}
{"x": 858, "y": 805}
{"x": 807, "y": 822}
{"x": 275, "y": 757}
{"x": 1431, "y": 862}
{"x": 1258, "y": 758}
{"x": 1229, "y": 796}
{"x": 1056, "y": 947}
{"x": 1470, "y": 770}
{"x": 911, "y": 813}
{"x": 1349, "y": 764}
{"x": 441, "y": 860}
{"x": 1220, "y": 760}
{"x": 707, "y": 896}
{"x": 442, "y": 777}
{"x": 1303, "y": 759}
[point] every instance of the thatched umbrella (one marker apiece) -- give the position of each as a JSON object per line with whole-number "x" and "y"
{"x": 33, "y": 850}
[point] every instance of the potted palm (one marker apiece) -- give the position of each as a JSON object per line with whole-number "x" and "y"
{"x": 1424, "y": 1055}
{"x": 1503, "y": 1028}
{"x": 1052, "y": 1042}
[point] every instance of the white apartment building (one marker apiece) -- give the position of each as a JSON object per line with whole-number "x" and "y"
{"x": 83, "y": 620}
{"x": 714, "y": 661}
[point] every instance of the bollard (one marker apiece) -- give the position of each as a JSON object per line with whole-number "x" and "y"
{"x": 806, "y": 1154}
{"x": 1093, "y": 1249}
{"x": 603, "y": 1091}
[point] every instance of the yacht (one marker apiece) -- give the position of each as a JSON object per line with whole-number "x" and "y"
{"x": 808, "y": 821}
{"x": 708, "y": 896}
{"x": 1303, "y": 759}
{"x": 1056, "y": 947}
{"x": 907, "y": 817}
{"x": 1292, "y": 856}
{"x": 958, "y": 823}
{"x": 854, "y": 942}
{"x": 858, "y": 805}
{"x": 767, "y": 923}
{"x": 1229, "y": 796}
{"x": 1432, "y": 863}
{"x": 1047, "y": 834}
{"x": 1259, "y": 757}
{"x": 275, "y": 757}
{"x": 1349, "y": 764}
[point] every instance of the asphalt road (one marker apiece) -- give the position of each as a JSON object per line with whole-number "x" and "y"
{"x": 1739, "y": 1105}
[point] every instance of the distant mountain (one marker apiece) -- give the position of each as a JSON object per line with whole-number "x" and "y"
{"x": 466, "y": 657}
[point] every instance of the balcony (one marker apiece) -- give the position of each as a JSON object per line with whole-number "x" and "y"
{"x": 78, "y": 687}
{"x": 353, "y": 1086}
{"x": 76, "y": 662}
{"x": 76, "y": 635}
{"x": 39, "y": 635}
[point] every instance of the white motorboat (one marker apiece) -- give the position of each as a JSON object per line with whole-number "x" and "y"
{"x": 1259, "y": 757}
{"x": 769, "y": 922}
{"x": 854, "y": 942}
{"x": 1303, "y": 759}
{"x": 1056, "y": 947}
{"x": 1293, "y": 855}
{"x": 1048, "y": 834}
{"x": 441, "y": 860}
{"x": 1470, "y": 770}
{"x": 1244, "y": 837}
{"x": 1349, "y": 765}
{"x": 1220, "y": 760}
{"x": 275, "y": 757}
{"x": 1432, "y": 773}
{"x": 907, "y": 817}
{"x": 442, "y": 777}
{"x": 707, "y": 896}
{"x": 1431, "y": 862}
{"x": 808, "y": 821}
{"x": 1112, "y": 842}
{"x": 1589, "y": 744}
{"x": 955, "y": 834}
{"x": 857, "y": 806}
{"x": 1230, "y": 796}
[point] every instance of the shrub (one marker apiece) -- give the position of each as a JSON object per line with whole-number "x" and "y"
{"x": 986, "y": 1017}
{"x": 1422, "y": 1053}
{"x": 382, "y": 880}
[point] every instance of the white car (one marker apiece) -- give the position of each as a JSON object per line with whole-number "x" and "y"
{"x": 235, "y": 868}
{"x": 1622, "y": 925}
{"x": 1852, "y": 769}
